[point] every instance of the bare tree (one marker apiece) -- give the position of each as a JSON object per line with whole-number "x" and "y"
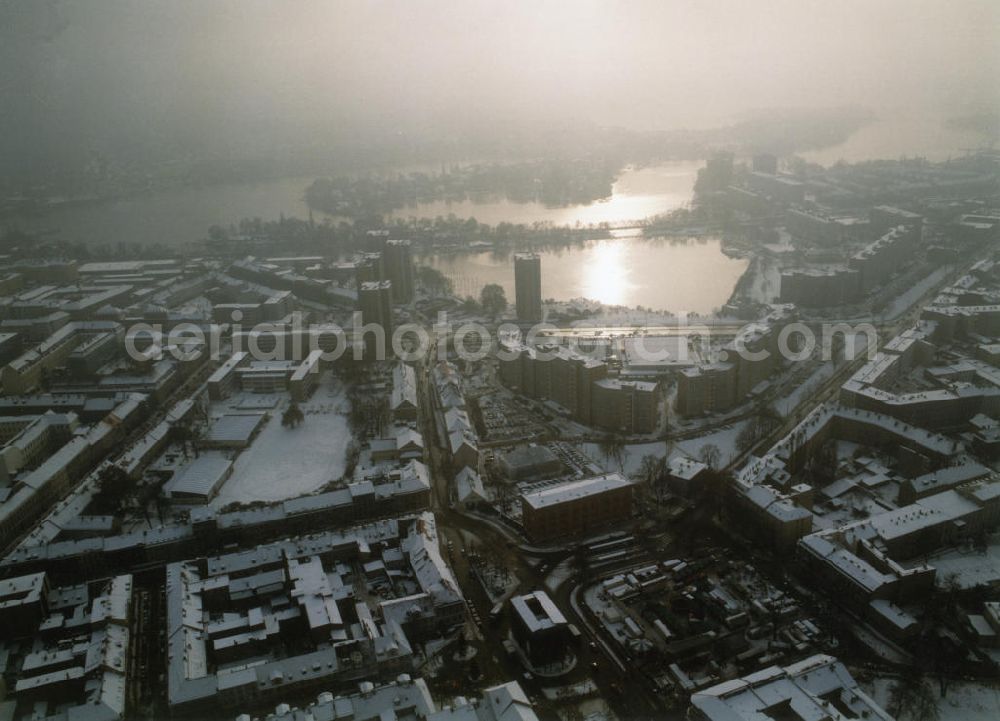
{"x": 115, "y": 488}
{"x": 765, "y": 420}
{"x": 613, "y": 449}
{"x": 912, "y": 699}
{"x": 293, "y": 416}
{"x": 653, "y": 471}
{"x": 710, "y": 455}
{"x": 504, "y": 494}
{"x": 650, "y": 468}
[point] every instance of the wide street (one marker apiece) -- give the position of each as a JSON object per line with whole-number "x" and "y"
{"x": 626, "y": 691}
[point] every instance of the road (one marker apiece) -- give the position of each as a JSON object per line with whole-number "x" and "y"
{"x": 622, "y": 685}
{"x": 622, "y": 689}
{"x": 189, "y": 387}
{"x": 830, "y": 389}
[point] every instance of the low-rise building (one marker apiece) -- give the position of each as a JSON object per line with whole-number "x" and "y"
{"x": 399, "y": 491}
{"x": 200, "y": 480}
{"x": 224, "y": 612}
{"x": 223, "y": 380}
{"x": 403, "y": 401}
{"x": 820, "y": 287}
{"x": 23, "y": 603}
{"x": 33, "y": 492}
{"x": 79, "y": 663}
{"x": 469, "y": 489}
{"x": 407, "y": 698}
{"x": 820, "y": 687}
{"x": 530, "y": 461}
{"x": 770, "y": 516}
{"x": 540, "y": 628}
{"x": 950, "y": 397}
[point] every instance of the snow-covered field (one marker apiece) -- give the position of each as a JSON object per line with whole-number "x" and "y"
{"x": 724, "y": 439}
{"x": 631, "y": 456}
{"x": 970, "y": 567}
{"x": 287, "y": 462}
{"x": 963, "y": 701}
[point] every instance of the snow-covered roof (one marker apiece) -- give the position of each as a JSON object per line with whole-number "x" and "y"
{"x": 234, "y": 428}
{"x": 201, "y": 478}
{"x": 537, "y": 611}
{"x": 574, "y": 490}
{"x": 404, "y": 387}
{"x": 469, "y": 486}
{"x": 804, "y": 688}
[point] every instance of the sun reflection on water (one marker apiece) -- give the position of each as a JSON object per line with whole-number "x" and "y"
{"x": 606, "y": 275}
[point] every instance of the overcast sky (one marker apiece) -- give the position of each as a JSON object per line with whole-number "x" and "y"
{"x": 186, "y": 74}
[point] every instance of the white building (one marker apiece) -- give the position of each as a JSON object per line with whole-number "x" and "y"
{"x": 820, "y": 687}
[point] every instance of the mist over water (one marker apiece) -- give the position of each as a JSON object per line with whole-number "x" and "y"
{"x": 479, "y": 359}
{"x": 92, "y": 91}
{"x": 637, "y": 194}
{"x": 679, "y": 275}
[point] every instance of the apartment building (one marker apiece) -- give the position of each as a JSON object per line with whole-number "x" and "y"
{"x": 576, "y": 507}
{"x": 580, "y": 385}
{"x": 528, "y": 286}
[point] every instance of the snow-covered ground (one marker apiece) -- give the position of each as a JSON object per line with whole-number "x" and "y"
{"x": 200, "y": 307}
{"x": 790, "y": 402}
{"x": 595, "y": 709}
{"x": 631, "y": 456}
{"x": 766, "y": 283}
{"x": 724, "y": 439}
{"x": 610, "y": 618}
{"x": 621, "y": 316}
{"x": 581, "y": 688}
{"x": 631, "y": 317}
{"x": 963, "y": 701}
{"x": 559, "y": 575}
{"x": 861, "y": 344}
{"x": 287, "y": 462}
{"x": 969, "y": 566}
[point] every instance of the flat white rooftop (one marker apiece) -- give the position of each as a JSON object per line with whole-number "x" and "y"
{"x": 574, "y": 490}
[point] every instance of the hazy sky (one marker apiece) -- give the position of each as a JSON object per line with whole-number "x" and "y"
{"x": 191, "y": 74}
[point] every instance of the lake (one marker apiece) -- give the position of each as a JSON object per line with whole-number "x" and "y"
{"x": 890, "y": 138}
{"x": 625, "y": 270}
{"x": 177, "y": 216}
{"x": 677, "y": 275}
{"x": 638, "y": 193}
{"x": 689, "y": 275}
{"x": 171, "y": 217}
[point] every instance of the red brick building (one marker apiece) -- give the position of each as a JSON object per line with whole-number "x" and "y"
{"x": 576, "y": 507}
